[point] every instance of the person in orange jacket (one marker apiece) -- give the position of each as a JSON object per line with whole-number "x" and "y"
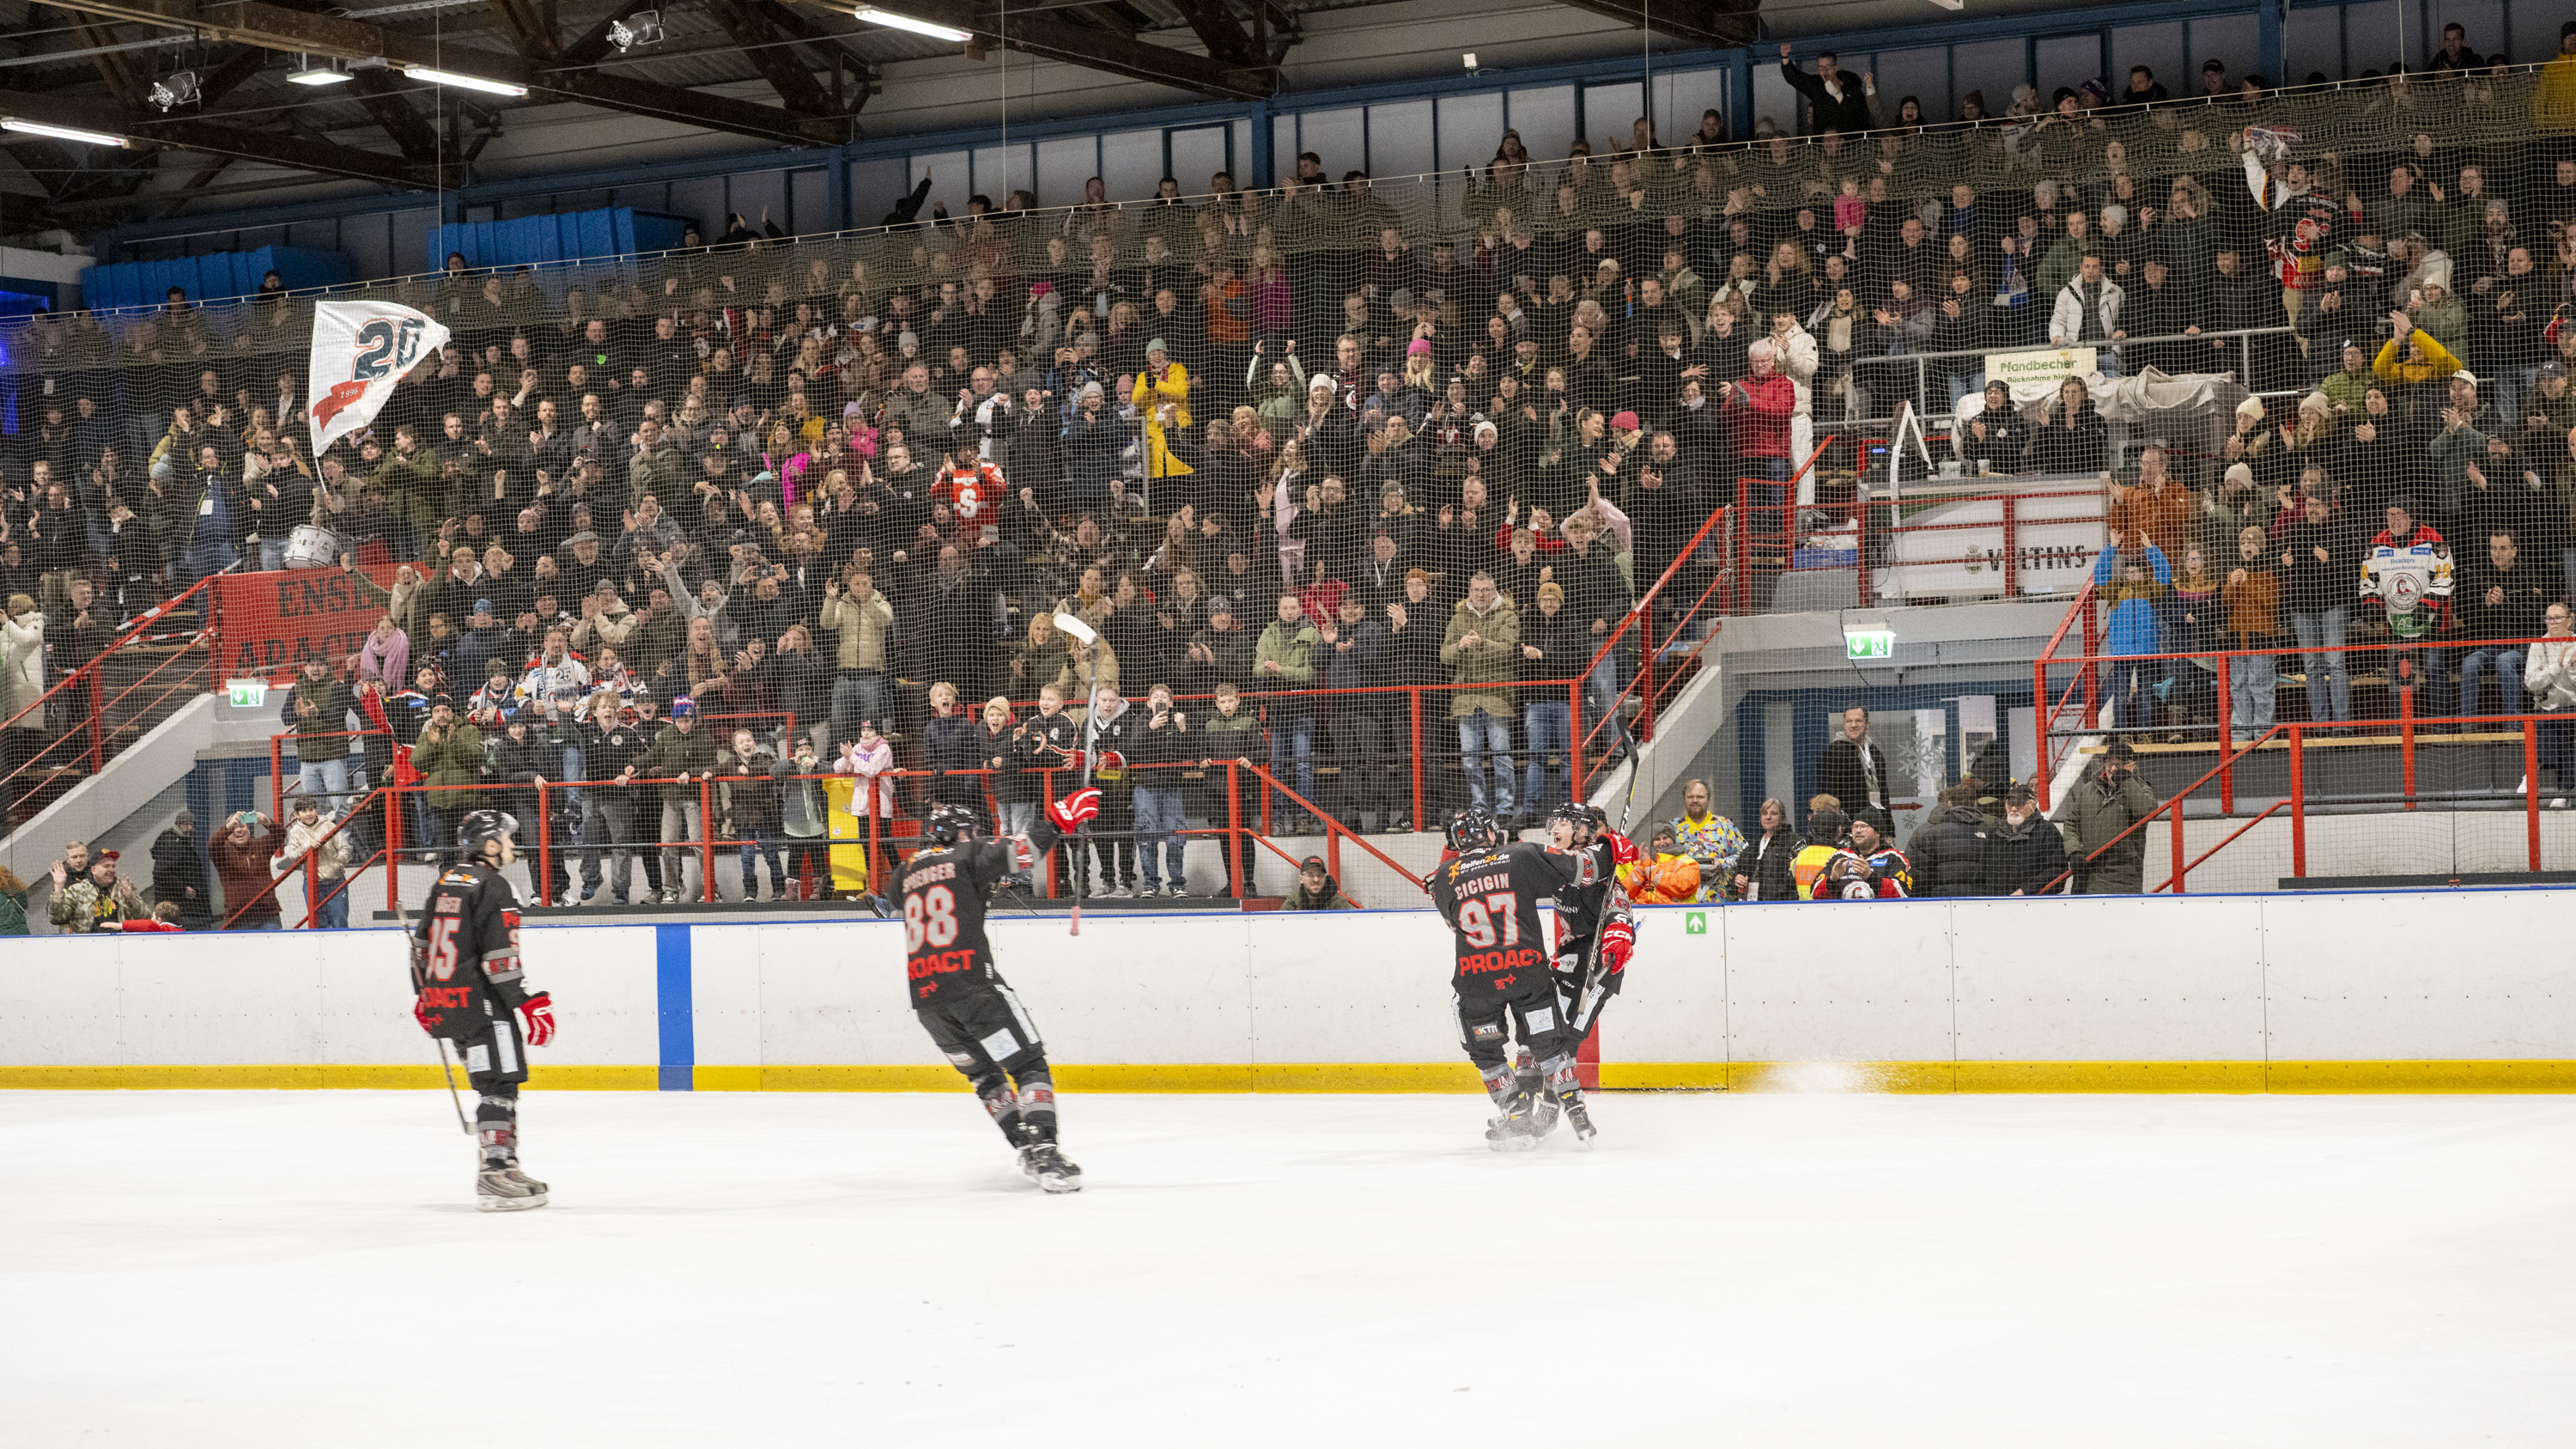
{"x": 1665, "y": 877}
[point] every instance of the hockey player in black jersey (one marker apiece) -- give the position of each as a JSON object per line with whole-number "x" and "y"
{"x": 1595, "y": 933}
{"x": 962, "y": 1001}
{"x": 466, "y": 984}
{"x": 1489, "y": 894}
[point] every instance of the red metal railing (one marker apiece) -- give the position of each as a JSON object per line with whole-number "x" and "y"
{"x": 2050, "y": 714}
{"x": 92, "y": 738}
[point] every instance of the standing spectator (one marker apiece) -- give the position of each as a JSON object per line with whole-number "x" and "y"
{"x": 1483, "y": 637}
{"x": 861, "y": 618}
{"x": 2501, "y": 601}
{"x": 2133, "y": 578}
{"x": 179, "y": 873}
{"x": 2107, "y": 800}
{"x": 13, "y": 903}
{"x": 94, "y": 899}
{"x": 22, "y": 683}
{"x": 1763, "y": 872}
{"x": 1046, "y": 741}
{"x": 386, "y": 656}
{"x": 1663, "y": 876}
{"x": 1115, "y": 840}
{"x": 752, "y": 811}
{"x": 2252, "y": 596}
{"x": 1231, "y": 734}
{"x": 1162, "y": 742}
{"x": 1950, "y": 849}
{"x": 1853, "y": 769}
{"x": 318, "y": 710}
{"x": 1553, "y": 647}
{"x": 2319, "y": 560}
{"x": 948, "y": 751}
{"x": 2028, "y": 854}
{"x": 1283, "y": 662}
{"x": 527, "y": 761}
{"x": 1833, "y": 102}
{"x": 1014, "y": 791}
{"x": 681, "y": 755}
{"x": 1364, "y": 730}
{"x": 1708, "y": 838}
{"x": 612, "y": 743}
{"x": 325, "y": 900}
{"x": 2407, "y": 573}
{"x": 241, "y": 863}
{"x": 448, "y": 753}
{"x": 2549, "y": 673}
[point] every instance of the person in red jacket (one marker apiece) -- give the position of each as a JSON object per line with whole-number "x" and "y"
{"x": 1760, "y": 407}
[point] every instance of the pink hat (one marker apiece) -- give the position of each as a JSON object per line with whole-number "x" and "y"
{"x": 1419, "y": 347}
{"x": 1624, "y": 421}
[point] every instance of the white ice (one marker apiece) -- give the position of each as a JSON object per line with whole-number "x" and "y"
{"x": 304, "y": 1268}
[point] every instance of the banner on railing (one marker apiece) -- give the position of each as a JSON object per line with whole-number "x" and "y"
{"x": 2047, "y": 364}
{"x": 266, "y": 622}
{"x": 2036, "y": 541}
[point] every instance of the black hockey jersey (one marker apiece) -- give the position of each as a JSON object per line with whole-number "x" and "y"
{"x": 1490, "y": 898}
{"x": 1581, "y": 908}
{"x": 465, "y": 964}
{"x": 944, "y": 890}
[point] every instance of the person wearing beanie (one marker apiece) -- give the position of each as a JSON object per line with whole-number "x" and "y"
{"x": 179, "y": 872}
{"x": 1162, "y": 399}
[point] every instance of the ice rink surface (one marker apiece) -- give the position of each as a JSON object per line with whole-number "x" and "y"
{"x": 305, "y": 1268}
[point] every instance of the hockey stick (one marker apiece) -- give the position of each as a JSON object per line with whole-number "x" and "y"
{"x": 1090, "y": 747}
{"x": 449, "y": 1077}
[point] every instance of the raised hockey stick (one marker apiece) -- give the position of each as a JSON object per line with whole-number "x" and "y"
{"x": 1090, "y": 748}
{"x": 449, "y": 1077}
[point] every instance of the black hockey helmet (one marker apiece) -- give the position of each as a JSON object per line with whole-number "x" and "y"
{"x": 1578, "y": 816}
{"x": 1471, "y": 829}
{"x": 952, "y": 823}
{"x": 484, "y": 825}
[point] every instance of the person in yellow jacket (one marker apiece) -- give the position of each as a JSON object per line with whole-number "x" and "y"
{"x": 2425, "y": 361}
{"x": 1665, "y": 877}
{"x": 2553, "y": 101}
{"x": 1162, "y": 398}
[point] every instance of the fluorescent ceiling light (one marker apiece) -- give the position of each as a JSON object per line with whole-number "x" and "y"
{"x": 59, "y": 133}
{"x": 891, "y": 20}
{"x": 464, "y": 82}
{"x": 320, "y": 75}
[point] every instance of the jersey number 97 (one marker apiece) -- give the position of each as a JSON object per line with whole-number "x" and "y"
{"x": 929, "y": 918}
{"x": 1481, "y": 920}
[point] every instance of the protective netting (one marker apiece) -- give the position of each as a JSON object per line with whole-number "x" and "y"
{"x": 1461, "y": 422}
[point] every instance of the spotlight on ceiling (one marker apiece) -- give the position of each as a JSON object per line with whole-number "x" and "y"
{"x": 642, "y": 28}
{"x": 178, "y": 90}
{"x": 891, "y": 20}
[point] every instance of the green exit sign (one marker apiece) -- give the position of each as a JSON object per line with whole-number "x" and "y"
{"x": 1695, "y": 923}
{"x": 1870, "y": 644}
{"x": 247, "y": 693}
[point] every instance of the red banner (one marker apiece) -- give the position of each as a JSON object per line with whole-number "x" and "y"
{"x": 265, "y": 623}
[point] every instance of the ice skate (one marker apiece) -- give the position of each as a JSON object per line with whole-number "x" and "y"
{"x": 1517, "y": 1129}
{"x": 507, "y": 1190}
{"x": 1049, "y": 1166}
{"x": 1580, "y": 1118}
{"x": 1532, "y": 1084}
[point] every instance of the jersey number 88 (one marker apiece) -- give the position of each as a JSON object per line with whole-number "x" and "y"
{"x": 929, "y": 917}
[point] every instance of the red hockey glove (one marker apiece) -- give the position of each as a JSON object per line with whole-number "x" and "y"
{"x": 1623, "y": 851}
{"x": 1618, "y": 939}
{"x": 1074, "y": 810}
{"x": 420, "y": 1013}
{"x": 537, "y": 1019}
{"x": 1109, "y": 760}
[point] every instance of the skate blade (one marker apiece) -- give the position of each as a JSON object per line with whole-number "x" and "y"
{"x": 1058, "y": 1182}
{"x": 509, "y": 1204}
{"x": 1512, "y": 1142}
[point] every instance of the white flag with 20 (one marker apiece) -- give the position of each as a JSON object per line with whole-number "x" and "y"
{"x": 360, "y": 350}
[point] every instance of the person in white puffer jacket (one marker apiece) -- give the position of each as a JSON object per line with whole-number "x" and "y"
{"x": 2549, "y": 678}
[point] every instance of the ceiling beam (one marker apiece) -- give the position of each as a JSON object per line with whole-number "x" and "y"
{"x": 247, "y": 61}
{"x": 778, "y": 64}
{"x": 113, "y": 67}
{"x": 187, "y": 133}
{"x": 1708, "y": 22}
{"x": 383, "y": 100}
{"x": 526, "y": 26}
{"x": 1222, "y": 34}
{"x": 276, "y": 28}
{"x": 1082, "y": 45}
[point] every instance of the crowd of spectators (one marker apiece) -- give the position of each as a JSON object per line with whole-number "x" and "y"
{"x": 1272, "y": 447}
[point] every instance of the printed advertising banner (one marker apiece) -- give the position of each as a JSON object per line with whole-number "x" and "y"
{"x": 266, "y": 622}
